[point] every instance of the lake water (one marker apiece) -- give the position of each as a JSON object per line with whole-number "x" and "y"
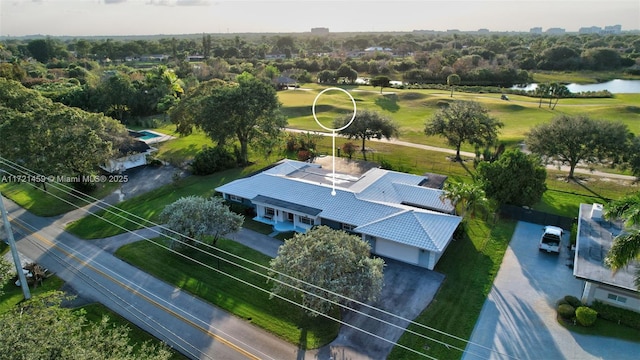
{"x": 614, "y": 86}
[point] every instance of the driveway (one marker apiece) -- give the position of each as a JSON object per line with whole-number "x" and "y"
{"x": 518, "y": 319}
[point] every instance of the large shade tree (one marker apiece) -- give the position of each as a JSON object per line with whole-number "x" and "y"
{"x": 41, "y": 329}
{"x": 367, "y": 125}
{"x": 53, "y": 139}
{"x": 571, "y": 139}
{"x": 515, "y": 178}
{"x": 626, "y": 246}
{"x": 245, "y": 110}
{"x": 199, "y": 219}
{"x": 464, "y": 121}
{"x": 333, "y": 260}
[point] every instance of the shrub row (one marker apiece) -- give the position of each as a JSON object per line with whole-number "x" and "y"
{"x": 621, "y": 316}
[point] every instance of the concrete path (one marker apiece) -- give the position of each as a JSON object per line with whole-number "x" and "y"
{"x": 518, "y": 319}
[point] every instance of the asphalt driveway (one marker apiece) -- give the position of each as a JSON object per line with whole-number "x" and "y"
{"x": 518, "y": 319}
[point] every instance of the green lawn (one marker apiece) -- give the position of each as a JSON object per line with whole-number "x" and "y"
{"x": 412, "y": 108}
{"x": 13, "y": 294}
{"x": 150, "y": 205}
{"x": 277, "y": 316}
{"x": 33, "y": 198}
{"x": 470, "y": 266}
{"x": 94, "y": 313}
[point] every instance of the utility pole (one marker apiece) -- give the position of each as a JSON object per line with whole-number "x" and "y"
{"x": 14, "y": 251}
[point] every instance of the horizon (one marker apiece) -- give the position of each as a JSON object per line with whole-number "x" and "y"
{"x": 103, "y": 18}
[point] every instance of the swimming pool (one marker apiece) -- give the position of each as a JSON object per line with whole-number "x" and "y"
{"x": 147, "y": 135}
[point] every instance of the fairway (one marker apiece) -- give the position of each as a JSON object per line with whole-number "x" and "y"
{"x": 411, "y": 109}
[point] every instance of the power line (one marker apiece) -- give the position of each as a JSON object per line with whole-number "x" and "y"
{"x": 73, "y": 192}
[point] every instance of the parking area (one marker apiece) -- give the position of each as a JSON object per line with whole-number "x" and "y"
{"x": 518, "y": 319}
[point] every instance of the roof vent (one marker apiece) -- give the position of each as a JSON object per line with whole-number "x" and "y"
{"x": 596, "y": 211}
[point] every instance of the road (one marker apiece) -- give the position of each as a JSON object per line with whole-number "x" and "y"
{"x": 563, "y": 168}
{"x": 186, "y": 323}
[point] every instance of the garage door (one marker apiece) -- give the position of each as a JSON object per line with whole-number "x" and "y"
{"x": 397, "y": 251}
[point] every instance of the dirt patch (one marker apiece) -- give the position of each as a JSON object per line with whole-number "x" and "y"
{"x": 346, "y": 166}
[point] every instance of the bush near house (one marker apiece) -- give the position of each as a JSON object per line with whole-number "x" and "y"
{"x": 586, "y": 316}
{"x": 566, "y": 311}
{"x": 573, "y": 301}
{"x": 618, "y": 315}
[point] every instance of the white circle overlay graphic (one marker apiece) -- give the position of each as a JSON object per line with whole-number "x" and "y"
{"x": 313, "y": 108}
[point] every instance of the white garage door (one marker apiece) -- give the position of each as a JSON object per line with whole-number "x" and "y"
{"x": 397, "y": 251}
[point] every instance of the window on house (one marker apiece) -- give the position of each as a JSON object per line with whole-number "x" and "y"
{"x": 269, "y": 212}
{"x": 348, "y": 227}
{"x": 618, "y": 298}
{"x": 305, "y": 220}
{"x": 235, "y": 198}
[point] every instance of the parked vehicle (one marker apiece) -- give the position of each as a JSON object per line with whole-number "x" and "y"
{"x": 551, "y": 239}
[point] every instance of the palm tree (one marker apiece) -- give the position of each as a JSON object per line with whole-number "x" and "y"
{"x": 542, "y": 90}
{"x": 626, "y": 246}
{"x": 470, "y": 196}
{"x": 559, "y": 91}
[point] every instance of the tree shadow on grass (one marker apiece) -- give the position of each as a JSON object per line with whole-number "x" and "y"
{"x": 388, "y": 102}
{"x": 581, "y": 184}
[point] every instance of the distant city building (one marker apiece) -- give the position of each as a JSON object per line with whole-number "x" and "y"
{"x": 320, "y": 31}
{"x": 590, "y": 30}
{"x": 536, "y": 30}
{"x": 555, "y": 31}
{"x": 615, "y": 29}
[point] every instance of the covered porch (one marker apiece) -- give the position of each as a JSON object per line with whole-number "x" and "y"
{"x": 285, "y": 216}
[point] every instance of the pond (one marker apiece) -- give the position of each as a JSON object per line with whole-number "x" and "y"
{"x": 614, "y": 86}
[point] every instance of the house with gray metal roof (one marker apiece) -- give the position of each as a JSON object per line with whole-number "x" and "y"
{"x": 394, "y": 212}
{"x": 594, "y": 238}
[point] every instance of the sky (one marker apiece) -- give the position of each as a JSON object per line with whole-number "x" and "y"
{"x": 169, "y": 17}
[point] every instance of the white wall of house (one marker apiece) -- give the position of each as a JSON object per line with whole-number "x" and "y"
{"x": 125, "y": 163}
{"x": 278, "y": 215}
{"x": 611, "y": 295}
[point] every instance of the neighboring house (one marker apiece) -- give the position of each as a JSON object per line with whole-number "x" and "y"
{"x": 593, "y": 240}
{"x": 398, "y": 216}
{"x": 284, "y": 82}
{"x": 131, "y": 155}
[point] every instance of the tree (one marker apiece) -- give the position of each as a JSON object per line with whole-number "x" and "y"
{"x": 464, "y": 121}
{"x": 330, "y": 259}
{"x": 204, "y": 220}
{"x": 53, "y": 139}
{"x": 542, "y": 90}
{"x": 626, "y": 246}
{"x": 571, "y": 139}
{"x": 41, "y": 329}
{"x": 633, "y": 157}
{"x": 366, "y": 126}
{"x": 345, "y": 71}
{"x": 246, "y": 110}
{"x": 452, "y": 81}
{"x": 382, "y": 81}
{"x": 467, "y": 196}
{"x": 349, "y": 149}
{"x": 559, "y": 91}
{"x": 5, "y": 267}
{"x": 515, "y": 178}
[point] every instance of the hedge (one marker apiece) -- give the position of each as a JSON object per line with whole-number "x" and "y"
{"x": 586, "y": 316}
{"x": 621, "y": 316}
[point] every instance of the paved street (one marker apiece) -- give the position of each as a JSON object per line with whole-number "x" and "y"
{"x": 518, "y": 319}
{"x": 183, "y": 321}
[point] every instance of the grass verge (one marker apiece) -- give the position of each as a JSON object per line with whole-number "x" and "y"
{"x": 33, "y": 198}
{"x": 252, "y": 303}
{"x": 470, "y": 266}
{"x": 13, "y": 294}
